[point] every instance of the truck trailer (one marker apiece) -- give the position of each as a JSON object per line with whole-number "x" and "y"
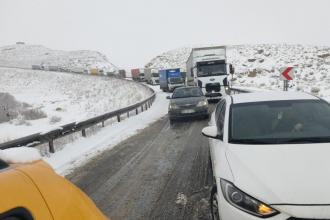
{"x": 169, "y": 79}
{"x": 135, "y": 74}
{"x": 207, "y": 68}
{"x": 151, "y": 76}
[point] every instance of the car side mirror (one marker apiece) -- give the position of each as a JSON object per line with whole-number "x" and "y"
{"x": 211, "y": 132}
{"x": 225, "y": 81}
{"x": 231, "y": 69}
{"x": 168, "y": 97}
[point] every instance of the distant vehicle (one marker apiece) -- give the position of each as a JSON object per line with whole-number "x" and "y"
{"x": 270, "y": 155}
{"x": 207, "y": 68}
{"x": 36, "y": 67}
{"x": 34, "y": 191}
{"x": 142, "y": 77}
{"x": 53, "y": 68}
{"x": 122, "y": 73}
{"x": 187, "y": 102}
{"x": 77, "y": 70}
{"x": 152, "y": 76}
{"x": 137, "y": 74}
{"x": 94, "y": 71}
{"x": 169, "y": 79}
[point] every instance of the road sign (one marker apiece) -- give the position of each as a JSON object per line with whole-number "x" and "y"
{"x": 287, "y": 73}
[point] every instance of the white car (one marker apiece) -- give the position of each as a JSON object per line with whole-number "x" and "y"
{"x": 270, "y": 155}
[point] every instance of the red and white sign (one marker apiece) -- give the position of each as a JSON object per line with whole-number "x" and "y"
{"x": 287, "y": 73}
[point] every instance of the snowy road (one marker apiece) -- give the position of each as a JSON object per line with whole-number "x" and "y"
{"x": 161, "y": 173}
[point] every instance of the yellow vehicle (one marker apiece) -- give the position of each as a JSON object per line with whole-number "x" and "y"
{"x": 94, "y": 71}
{"x": 33, "y": 191}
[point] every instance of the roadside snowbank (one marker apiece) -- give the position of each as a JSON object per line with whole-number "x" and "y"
{"x": 20, "y": 155}
{"x": 83, "y": 149}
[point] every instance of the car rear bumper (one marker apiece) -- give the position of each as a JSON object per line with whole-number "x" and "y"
{"x": 189, "y": 113}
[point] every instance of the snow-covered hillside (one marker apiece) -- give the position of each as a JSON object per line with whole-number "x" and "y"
{"x": 40, "y": 100}
{"x": 24, "y": 56}
{"x": 259, "y": 65}
{"x": 172, "y": 59}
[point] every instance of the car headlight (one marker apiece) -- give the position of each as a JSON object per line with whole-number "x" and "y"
{"x": 244, "y": 202}
{"x": 173, "y": 106}
{"x": 202, "y": 103}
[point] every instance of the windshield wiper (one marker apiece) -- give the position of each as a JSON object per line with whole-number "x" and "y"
{"x": 308, "y": 140}
{"x": 250, "y": 141}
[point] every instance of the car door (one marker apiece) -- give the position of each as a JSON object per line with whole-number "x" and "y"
{"x": 20, "y": 198}
{"x": 219, "y": 123}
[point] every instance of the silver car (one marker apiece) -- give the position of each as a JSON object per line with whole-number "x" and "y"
{"x": 188, "y": 102}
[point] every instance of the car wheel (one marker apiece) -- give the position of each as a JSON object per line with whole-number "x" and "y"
{"x": 214, "y": 204}
{"x": 171, "y": 121}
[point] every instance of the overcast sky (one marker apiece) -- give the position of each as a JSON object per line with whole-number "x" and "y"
{"x": 131, "y": 32}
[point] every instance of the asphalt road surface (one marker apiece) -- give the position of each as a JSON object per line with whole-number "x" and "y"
{"x": 161, "y": 173}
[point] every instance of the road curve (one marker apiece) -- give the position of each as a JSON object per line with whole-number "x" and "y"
{"x": 161, "y": 173}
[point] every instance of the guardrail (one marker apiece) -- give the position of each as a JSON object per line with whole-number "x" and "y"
{"x": 49, "y": 137}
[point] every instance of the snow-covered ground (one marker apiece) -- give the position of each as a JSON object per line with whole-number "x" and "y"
{"x": 78, "y": 152}
{"x": 259, "y": 65}
{"x": 60, "y": 98}
{"x": 24, "y": 56}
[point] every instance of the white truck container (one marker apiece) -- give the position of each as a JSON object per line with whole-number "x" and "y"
{"x": 207, "y": 68}
{"x": 152, "y": 76}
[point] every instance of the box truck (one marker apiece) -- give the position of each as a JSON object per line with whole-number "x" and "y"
{"x": 152, "y": 76}
{"x": 207, "y": 68}
{"x": 169, "y": 79}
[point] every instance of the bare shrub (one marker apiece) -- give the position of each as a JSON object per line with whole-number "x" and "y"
{"x": 54, "y": 119}
{"x": 33, "y": 114}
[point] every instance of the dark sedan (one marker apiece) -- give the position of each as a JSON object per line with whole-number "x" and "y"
{"x": 188, "y": 102}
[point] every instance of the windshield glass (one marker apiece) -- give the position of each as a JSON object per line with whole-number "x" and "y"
{"x": 211, "y": 69}
{"x": 187, "y": 92}
{"x": 175, "y": 80}
{"x": 280, "y": 122}
{"x": 155, "y": 75}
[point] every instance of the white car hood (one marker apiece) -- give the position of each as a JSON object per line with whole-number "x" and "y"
{"x": 282, "y": 174}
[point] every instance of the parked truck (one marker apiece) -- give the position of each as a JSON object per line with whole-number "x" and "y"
{"x": 152, "y": 76}
{"x": 122, "y": 73}
{"x": 135, "y": 74}
{"x": 138, "y": 74}
{"x": 207, "y": 68}
{"x": 142, "y": 77}
{"x": 169, "y": 79}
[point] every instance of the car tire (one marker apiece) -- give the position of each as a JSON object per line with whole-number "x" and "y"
{"x": 214, "y": 204}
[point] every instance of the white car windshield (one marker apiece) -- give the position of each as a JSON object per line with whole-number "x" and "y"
{"x": 280, "y": 122}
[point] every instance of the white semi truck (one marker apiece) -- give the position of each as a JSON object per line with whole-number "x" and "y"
{"x": 152, "y": 76}
{"x": 207, "y": 68}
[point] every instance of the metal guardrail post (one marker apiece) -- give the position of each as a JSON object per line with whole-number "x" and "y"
{"x": 127, "y": 114}
{"x": 141, "y": 107}
{"x": 137, "y": 111}
{"x": 102, "y": 123}
{"x": 83, "y": 132}
{"x": 51, "y": 146}
{"x": 118, "y": 118}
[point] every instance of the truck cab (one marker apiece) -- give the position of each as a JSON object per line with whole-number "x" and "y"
{"x": 207, "y": 68}
{"x": 154, "y": 80}
{"x": 171, "y": 79}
